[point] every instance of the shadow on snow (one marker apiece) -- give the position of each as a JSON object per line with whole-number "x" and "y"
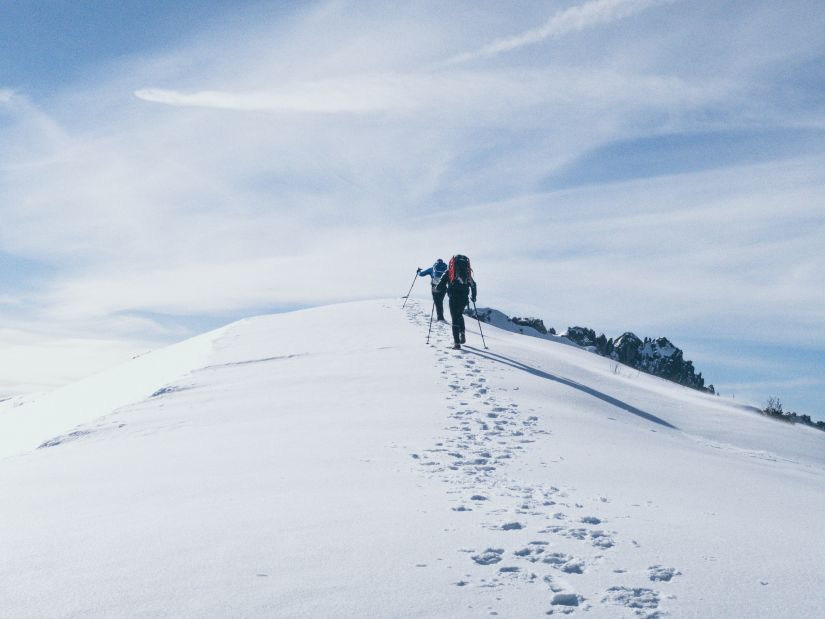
{"x": 569, "y": 383}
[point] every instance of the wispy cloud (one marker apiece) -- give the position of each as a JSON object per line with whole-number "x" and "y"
{"x": 573, "y": 19}
{"x": 487, "y": 92}
{"x": 323, "y": 158}
{"x": 6, "y": 95}
{"x": 326, "y": 97}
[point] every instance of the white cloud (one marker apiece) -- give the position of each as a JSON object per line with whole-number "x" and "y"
{"x": 6, "y": 95}
{"x": 328, "y": 97}
{"x": 365, "y": 163}
{"x": 573, "y": 19}
{"x": 488, "y": 93}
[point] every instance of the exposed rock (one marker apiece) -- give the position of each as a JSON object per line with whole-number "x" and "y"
{"x": 582, "y": 336}
{"x": 535, "y": 323}
{"x": 654, "y": 356}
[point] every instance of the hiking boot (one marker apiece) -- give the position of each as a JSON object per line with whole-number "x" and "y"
{"x": 462, "y": 338}
{"x": 456, "y": 346}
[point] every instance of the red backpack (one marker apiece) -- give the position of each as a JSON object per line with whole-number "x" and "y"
{"x": 460, "y": 268}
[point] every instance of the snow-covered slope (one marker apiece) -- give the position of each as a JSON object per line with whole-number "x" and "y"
{"x": 327, "y": 463}
{"x": 658, "y": 356}
{"x": 523, "y": 326}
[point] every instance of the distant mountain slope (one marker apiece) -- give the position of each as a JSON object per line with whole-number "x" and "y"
{"x": 658, "y": 356}
{"x": 328, "y": 463}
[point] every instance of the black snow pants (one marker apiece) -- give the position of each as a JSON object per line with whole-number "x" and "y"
{"x": 438, "y": 299}
{"x": 457, "y": 305}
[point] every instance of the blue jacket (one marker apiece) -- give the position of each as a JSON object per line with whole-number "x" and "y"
{"x": 436, "y": 272}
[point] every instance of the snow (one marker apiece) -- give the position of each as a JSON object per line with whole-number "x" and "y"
{"x": 329, "y": 463}
{"x": 502, "y": 321}
{"x": 48, "y": 414}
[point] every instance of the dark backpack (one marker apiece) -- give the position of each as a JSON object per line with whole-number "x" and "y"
{"x": 460, "y": 268}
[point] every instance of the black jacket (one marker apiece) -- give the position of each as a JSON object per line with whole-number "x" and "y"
{"x": 458, "y": 288}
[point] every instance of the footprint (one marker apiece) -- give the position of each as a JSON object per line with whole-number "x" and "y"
{"x": 564, "y": 562}
{"x": 639, "y": 599}
{"x": 489, "y": 556}
{"x": 564, "y": 595}
{"x": 532, "y": 552}
{"x": 600, "y": 539}
{"x": 566, "y": 599}
{"x": 664, "y": 574}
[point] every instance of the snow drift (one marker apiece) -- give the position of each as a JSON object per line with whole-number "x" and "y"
{"x": 328, "y": 463}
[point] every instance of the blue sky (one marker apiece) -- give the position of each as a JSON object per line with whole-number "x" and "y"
{"x": 645, "y": 165}
{"x": 54, "y": 44}
{"x": 51, "y": 44}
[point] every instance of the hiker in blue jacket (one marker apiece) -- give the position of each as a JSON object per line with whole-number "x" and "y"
{"x": 436, "y": 272}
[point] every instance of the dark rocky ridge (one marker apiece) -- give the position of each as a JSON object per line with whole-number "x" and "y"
{"x": 535, "y": 323}
{"x": 658, "y": 356}
{"x": 654, "y": 356}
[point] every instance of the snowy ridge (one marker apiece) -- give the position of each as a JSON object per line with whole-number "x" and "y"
{"x": 26, "y": 420}
{"x": 328, "y": 463}
{"x": 533, "y": 327}
{"x": 654, "y": 356}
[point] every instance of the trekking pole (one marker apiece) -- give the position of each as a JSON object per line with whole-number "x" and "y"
{"x": 431, "y": 323}
{"x": 475, "y": 311}
{"x": 411, "y": 287}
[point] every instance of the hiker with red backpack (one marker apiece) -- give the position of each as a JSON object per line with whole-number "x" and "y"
{"x": 461, "y": 289}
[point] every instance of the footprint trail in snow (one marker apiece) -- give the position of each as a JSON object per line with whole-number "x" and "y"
{"x": 551, "y": 538}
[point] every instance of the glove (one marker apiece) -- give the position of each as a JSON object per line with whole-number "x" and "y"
{"x": 473, "y": 298}
{"x": 418, "y": 270}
